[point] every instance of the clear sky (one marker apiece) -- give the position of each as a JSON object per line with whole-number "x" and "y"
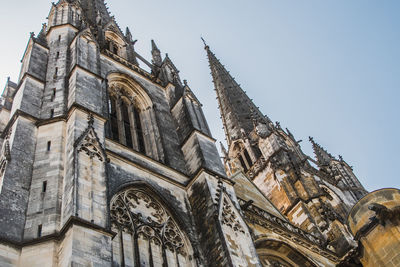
{"x": 329, "y": 69}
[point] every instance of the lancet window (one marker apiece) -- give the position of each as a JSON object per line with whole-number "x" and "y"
{"x": 147, "y": 234}
{"x": 245, "y": 159}
{"x": 125, "y": 121}
{"x": 131, "y": 117}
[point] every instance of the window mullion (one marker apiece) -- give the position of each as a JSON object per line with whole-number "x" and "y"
{"x": 133, "y": 126}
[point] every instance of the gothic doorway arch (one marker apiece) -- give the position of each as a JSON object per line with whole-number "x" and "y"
{"x": 279, "y": 254}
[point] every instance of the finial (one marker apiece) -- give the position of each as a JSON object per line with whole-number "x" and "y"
{"x": 128, "y": 34}
{"x": 311, "y": 139}
{"x": 205, "y": 44}
{"x": 90, "y": 120}
{"x": 185, "y": 82}
{"x": 341, "y": 158}
{"x": 223, "y": 149}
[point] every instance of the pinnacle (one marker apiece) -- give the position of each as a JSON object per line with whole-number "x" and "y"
{"x": 154, "y": 46}
{"x": 323, "y": 157}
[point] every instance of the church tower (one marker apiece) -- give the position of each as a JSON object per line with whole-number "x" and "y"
{"x": 316, "y": 199}
{"x": 103, "y": 163}
{"x": 106, "y": 164}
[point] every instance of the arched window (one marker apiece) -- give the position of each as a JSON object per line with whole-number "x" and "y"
{"x": 131, "y": 117}
{"x": 125, "y": 122}
{"x": 243, "y": 163}
{"x": 147, "y": 234}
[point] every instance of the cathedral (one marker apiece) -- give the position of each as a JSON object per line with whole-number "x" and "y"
{"x": 107, "y": 160}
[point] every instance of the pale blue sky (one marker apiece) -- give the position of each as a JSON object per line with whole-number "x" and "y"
{"x": 329, "y": 69}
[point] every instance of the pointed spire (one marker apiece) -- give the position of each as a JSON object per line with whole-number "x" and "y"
{"x": 323, "y": 157}
{"x": 156, "y": 53}
{"x": 128, "y": 34}
{"x": 236, "y": 108}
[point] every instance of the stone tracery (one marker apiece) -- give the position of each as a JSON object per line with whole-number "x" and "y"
{"x": 132, "y": 118}
{"x": 151, "y": 228}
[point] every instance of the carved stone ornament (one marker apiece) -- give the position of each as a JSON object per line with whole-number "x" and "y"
{"x": 136, "y": 212}
{"x": 5, "y": 156}
{"x": 89, "y": 143}
{"x": 262, "y": 130}
{"x": 229, "y": 215}
{"x": 384, "y": 214}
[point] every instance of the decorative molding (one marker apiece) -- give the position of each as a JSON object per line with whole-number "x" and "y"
{"x": 89, "y": 142}
{"x": 263, "y": 218}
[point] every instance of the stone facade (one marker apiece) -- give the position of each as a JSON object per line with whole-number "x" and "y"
{"x": 105, "y": 164}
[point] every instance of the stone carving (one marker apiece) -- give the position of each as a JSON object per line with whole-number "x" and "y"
{"x": 229, "y": 216}
{"x": 258, "y": 166}
{"x": 383, "y": 214}
{"x": 277, "y": 225}
{"x": 136, "y": 212}
{"x": 89, "y": 142}
{"x": 329, "y": 213}
{"x": 262, "y": 130}
{"x": 89, "y": 146}
{"x": 5, "y": 156}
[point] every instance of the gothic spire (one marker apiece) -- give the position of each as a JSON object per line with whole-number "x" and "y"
{"x": 323, "y": 157}
{"x": 96, "y": 11}
{"x": 236, "y": 108}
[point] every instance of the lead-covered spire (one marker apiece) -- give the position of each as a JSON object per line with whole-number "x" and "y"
{"x": 236, "y": 108}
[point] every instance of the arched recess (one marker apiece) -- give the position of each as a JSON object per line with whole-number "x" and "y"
{"x": 114, "y": 42}
{"x": 242, "y": 155}
{"x": 279, "y": 254}
{"x": 147, "y": 233}
{"x": 132, "y": 118}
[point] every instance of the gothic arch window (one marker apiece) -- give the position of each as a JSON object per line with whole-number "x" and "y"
{"x": 114, "y": 43}
{"x": 147, "y": 234}
{"x": 131, "y": 117}
{"x": 240, "y": 152}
